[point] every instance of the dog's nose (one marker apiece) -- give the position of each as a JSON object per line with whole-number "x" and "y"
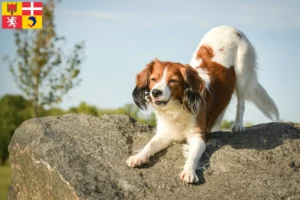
{"x": 156, "y": 93}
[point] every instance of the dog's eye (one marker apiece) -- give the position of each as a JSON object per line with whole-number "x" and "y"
{"x": 153, "y": 79}
{"x": 173, "y": 81}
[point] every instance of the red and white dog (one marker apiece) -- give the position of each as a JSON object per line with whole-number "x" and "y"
{"x": 190, "y": 100}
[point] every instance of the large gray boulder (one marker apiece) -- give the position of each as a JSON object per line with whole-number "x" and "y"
{"x": 77, "y": 156}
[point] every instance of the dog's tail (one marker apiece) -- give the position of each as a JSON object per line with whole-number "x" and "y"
{"x": 259, "y": 96}
{"x": 247, "y": 81}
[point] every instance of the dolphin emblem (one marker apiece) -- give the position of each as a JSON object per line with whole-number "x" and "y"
{"x": 31, "y": 18}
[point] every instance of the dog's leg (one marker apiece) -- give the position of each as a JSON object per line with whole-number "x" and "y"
{"x": 240, "y": 109}
{"x": 196, "y": 149}
{"x": 156, "y": 144}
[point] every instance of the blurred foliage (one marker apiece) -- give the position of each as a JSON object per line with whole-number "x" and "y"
{"x": 85, "y": 108}
{"x": 228, "y": 124}
{"x": 40, "y": 67}
{"x": 248, "y": 124}
{"x": 14, "y": 110}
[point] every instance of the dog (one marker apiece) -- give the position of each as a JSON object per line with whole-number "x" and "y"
{"x": 189, "y": 101}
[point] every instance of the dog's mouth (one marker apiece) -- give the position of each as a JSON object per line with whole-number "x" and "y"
{"x": 156, "y": 101}
{"x": 160, "y": 103}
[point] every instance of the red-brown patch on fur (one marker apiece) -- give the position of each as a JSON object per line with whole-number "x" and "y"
{"x": 142, "y": 79}
{"x": 192, "y": 77}
{"x": 153, "y": 70}
{"x": 221, "y": 88}
{"x": 175, "y": 80}
{"x": 205, "y": 53}
{"x": 158, "y": 68}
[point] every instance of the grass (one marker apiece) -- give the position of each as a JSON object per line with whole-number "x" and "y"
{"x": 4, "y": 181}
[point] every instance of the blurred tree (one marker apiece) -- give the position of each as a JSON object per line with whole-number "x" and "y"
{"x": 4, "y": 142}
{"x": 14, "y": 110}
{"x": 52, "y": 112}
{"x": 248, "y": 124}
{"x": 133, "y": 111}
{"x": 40, "y": 68}
{"x": 228, "y": 124}
{"x": 85, "y": 108}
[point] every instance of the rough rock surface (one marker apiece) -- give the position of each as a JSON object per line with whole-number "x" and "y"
{"x": 78, "y": 156}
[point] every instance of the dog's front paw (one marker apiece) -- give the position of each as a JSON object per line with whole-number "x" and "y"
{"x": 237, "y": 128}
{"x": 189, "y": 176}
{"x": 136, "y": 160}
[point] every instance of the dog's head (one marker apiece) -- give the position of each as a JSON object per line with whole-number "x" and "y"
{"x": 162, "y": 82}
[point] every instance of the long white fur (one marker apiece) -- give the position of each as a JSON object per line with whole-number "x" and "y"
{"x": 205, "y": 76}
{"x": 174, "y": 123}
{"x": 233, "y": 50}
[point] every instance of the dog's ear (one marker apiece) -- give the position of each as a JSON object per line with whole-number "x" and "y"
{"x": 141, "y": 90}
{"x": 194, "y": 90}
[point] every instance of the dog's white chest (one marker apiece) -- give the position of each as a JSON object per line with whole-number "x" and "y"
{"x": 176, "y": 124}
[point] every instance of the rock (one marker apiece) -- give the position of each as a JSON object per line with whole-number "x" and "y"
{"x": 77, "y": 156}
